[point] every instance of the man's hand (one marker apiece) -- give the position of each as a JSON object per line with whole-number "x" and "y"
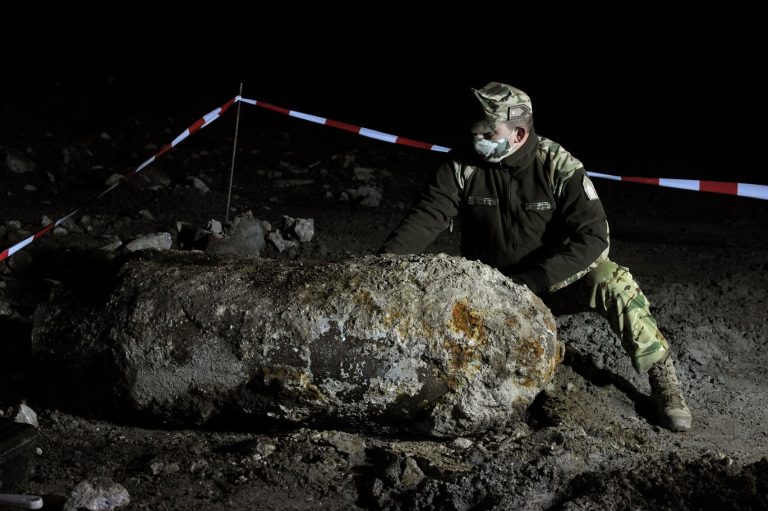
{"x": 534, "y": 279}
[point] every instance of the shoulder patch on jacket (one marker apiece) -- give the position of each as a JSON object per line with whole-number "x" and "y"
{"x": 559, "y": 164}
{"x": 462, "y": 173}
{"x": 589, "y": 188}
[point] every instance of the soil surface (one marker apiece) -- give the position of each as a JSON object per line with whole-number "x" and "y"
{"x": 589, "y": 441}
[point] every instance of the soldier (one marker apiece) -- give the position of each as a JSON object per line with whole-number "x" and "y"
{"x": 528, "y": 208}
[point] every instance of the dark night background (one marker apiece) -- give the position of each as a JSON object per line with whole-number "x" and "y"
{"x": 657, "y": 112}
{"x": 683, "y": 100}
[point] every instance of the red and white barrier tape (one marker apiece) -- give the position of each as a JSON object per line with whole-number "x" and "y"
{"x": 740, "y": 189}
{"x": 195, "y": 127}
{"x": 366, "y": 132}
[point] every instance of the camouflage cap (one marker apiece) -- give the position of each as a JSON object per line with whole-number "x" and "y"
{"x": 500, "y": 102}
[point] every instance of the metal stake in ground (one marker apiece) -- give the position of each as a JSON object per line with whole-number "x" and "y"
{"x": 234, "y": 152}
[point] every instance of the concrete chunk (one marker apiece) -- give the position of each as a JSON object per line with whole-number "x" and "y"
{"x": 154, "y": 241}
{"x": 244, "y": 238}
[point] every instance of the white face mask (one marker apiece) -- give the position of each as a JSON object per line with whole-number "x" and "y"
{"x": 494, "y": 150}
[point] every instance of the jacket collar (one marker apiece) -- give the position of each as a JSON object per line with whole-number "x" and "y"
{"x": 523, "y": 157}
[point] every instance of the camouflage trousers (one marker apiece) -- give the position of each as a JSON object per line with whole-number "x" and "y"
{"x": 610, "y": 291}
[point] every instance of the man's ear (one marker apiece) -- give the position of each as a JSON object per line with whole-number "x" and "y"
{"x": 519, "y": 134}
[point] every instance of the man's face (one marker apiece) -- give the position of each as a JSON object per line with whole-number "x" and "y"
{"x": 494, "y": 146}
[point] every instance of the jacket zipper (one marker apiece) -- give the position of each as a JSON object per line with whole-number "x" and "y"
{"x": 510, "y": 220}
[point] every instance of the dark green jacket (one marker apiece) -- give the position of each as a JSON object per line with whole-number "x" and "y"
{"x": 535, "y": 215}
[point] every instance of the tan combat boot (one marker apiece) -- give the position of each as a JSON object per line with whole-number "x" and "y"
{"x": 666, "y": 393}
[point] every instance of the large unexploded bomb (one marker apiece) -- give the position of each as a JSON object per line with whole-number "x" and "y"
{"x": 432, "y": 343}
